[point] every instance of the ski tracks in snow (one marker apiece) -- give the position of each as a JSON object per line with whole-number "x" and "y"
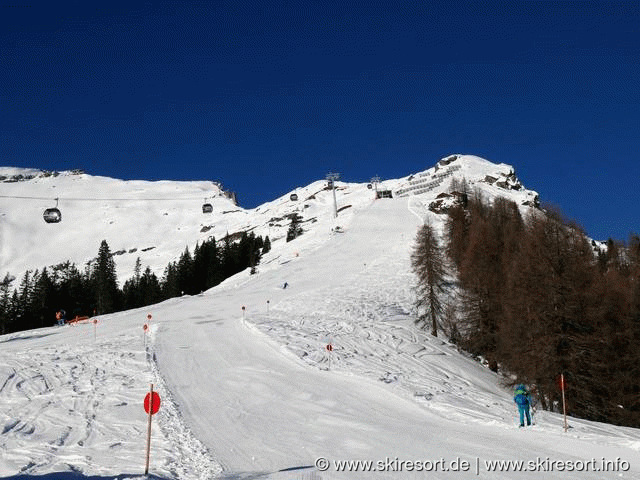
{"x": 69, "y": 400}
{"x": 78, "y": 407}
{"x": 367, "y": 315}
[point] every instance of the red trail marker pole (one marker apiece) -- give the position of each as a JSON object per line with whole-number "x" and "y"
{"x": 564, "y": 403}
{"x": 151, "y": 406}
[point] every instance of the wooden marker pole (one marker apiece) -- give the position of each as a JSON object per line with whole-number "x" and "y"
{"x": 146, "y": 468}
{"x": 564, "y": 403}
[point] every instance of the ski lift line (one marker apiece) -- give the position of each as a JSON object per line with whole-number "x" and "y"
{"x": 85, "y": 199}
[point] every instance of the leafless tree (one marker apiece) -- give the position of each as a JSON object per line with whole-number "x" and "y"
{"x": 428, "y": 263}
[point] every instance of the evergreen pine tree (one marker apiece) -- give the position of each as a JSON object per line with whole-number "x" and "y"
{"x": 5, "y": 303}
{"x": 227, "y": 257}
{"x": 244, "y": 250}
{"x": 186, "y": 281}
{"x": 15, "y": 312}
{"x": 105, "y": 281}
{"x": 255, "y": 252}
{"x": 295, "y": 229}
{"x": 212, "y": 264}
{"x": 170, "y": 284}
{"x": 137, "y": 270}
{"x": 75, "y": 291}
{"x": 23, "y": 302}
{"x": 44, "y": 299}
{"x": 200, "y": 265}
{"x": 266, "y": 247}
{"x": 150, "y": 290}
{"x": 129, "y": 294}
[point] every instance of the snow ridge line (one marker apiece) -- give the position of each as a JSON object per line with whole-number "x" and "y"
{"x": 192, "y": 456}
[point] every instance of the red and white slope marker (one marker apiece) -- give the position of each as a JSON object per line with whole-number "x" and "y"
{"x": 151, "y": 406}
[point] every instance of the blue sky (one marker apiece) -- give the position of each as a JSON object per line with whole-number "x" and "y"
{"x": 268, "y": 96}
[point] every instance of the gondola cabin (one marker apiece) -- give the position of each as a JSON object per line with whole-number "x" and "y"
{"x": 207, "y": 208}
{"x": 52, "y": 215}
{"x": 294, "y": 197}
{"x": 369, "y": 186}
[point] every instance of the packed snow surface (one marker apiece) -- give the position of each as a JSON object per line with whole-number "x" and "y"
{"x": 249, "y": 389}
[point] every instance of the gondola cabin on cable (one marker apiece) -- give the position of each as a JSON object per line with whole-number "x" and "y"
{"x": 207, "y": 208}
{"x": 293, "y": 197}
{"x": 52, "y": 215}
{"x": 369, "y": 186}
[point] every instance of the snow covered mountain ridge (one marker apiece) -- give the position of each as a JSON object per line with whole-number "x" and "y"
{"x": 157, "y": 220}
{"x": 15, "y": 174}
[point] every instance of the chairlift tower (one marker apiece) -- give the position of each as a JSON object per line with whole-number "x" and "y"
{"x": 375, "y": 180}
{"x": 332, "y": 177}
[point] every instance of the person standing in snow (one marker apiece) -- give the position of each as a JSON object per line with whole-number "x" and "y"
{"x": 522, "y": 399}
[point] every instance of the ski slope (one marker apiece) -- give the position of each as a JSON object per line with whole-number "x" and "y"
{"x": 150, "y": 220}
{"x": 255, "y": 394}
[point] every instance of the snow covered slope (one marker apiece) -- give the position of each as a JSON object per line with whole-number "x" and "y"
{"x": 254, "y": 393}
{"x": 157, "y": 220}
{"x": 151, "y": 220}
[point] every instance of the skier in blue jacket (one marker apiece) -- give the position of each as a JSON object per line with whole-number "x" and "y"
{"x": 522, "y": 399}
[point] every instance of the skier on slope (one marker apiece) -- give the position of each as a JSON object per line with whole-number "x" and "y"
{"x": 522, "y": 398}
{"x": 61, "y": 317}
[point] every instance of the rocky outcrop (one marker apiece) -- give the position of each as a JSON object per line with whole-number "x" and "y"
{"x": 446, "y": 201}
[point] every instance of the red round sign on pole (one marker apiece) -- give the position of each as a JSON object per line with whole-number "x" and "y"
{"x": 330, "y": 347}
{"x": 144, "y": 327}
{"x": 155, "y": 404}
{"x": 95, "y": 320}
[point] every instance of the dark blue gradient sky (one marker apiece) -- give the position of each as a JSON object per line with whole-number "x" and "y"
{"x": 267, "y": 96}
